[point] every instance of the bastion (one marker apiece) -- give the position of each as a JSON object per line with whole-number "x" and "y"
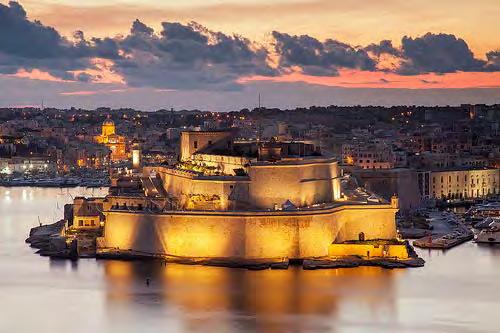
{"x": 234, "y": 203}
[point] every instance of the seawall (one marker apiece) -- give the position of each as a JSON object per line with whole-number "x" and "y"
{"x": 247, "y": 235}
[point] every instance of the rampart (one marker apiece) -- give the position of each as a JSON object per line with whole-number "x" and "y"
{"x": 247, "y": 235}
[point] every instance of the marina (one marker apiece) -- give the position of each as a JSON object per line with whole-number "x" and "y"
{"x": 55, "y": 182}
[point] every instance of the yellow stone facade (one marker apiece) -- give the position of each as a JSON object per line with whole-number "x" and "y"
{"x": 247, "y": 235}
{"x": 115, "y": 143}
{"x": 463, "y": 184}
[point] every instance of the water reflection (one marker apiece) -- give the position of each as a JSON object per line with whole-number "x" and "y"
{"x": 277, "y": 298}
{"x": 457, "y": 291}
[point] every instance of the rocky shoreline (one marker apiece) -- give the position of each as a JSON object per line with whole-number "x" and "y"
{"x": 50, "y": 241}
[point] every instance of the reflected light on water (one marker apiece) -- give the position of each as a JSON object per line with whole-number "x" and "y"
{"x": 457, "y": 290}
{"x": 272, "y": 300}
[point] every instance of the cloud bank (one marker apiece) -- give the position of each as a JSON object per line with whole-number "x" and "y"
{"x": 192, "y": 57}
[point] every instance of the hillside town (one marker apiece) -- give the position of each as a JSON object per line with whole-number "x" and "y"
{"x": 425, "y": 155}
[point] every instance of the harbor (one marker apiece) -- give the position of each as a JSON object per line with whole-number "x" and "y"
{"x": 355, "y": 298}
{"x": 56, "y": 182}
{"x": 445, "y": 229}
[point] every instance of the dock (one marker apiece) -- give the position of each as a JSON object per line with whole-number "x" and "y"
{"x": 446, "y": 241}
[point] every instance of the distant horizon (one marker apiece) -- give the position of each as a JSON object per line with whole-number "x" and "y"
{"x": 249, "y": 108}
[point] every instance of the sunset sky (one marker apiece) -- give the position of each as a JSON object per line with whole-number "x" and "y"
{"x": 220, "y": 55}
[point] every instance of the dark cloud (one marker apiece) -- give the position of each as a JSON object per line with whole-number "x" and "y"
{"x": 139, "y": 28}
{"x": 29, "y": 45}
{"x": 493, "y": 61}
{"x": 438, "y": 53}
{"x": 319, "y": 58}
{"x": 188, "y": 57}
{"x": 384, "y": 47}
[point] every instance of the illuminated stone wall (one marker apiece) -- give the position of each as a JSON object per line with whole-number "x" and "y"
{"x": 303, "y": 184}
{"x": 247, "y": 235}
{"x": 184, "y": 184}
{"x": 225, "y": 164}
{"x": 192, "y": 142}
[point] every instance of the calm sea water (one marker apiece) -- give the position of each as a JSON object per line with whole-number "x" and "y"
{"x": 457, "y": 291}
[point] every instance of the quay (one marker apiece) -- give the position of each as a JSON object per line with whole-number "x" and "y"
{"x": 445, "y": 242}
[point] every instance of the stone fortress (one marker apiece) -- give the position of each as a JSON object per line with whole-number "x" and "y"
{"x": 231, "y": 202}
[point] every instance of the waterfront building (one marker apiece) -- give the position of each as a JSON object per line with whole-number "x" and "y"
{"x": 26, "y": 165}
{"x": 459, "y": 183}
{"x": 246, "y": 200}
{"x": 87, "y": 213}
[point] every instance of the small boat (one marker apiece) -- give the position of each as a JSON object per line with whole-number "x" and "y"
{"x": 490, "y": 235}
{"x": 485, "y": 223}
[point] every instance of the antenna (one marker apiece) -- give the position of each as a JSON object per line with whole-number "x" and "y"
{"x": 259, "y": 101}
{"x": 42, "y": 105}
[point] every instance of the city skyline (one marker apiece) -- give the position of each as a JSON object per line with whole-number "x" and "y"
{"x": 153, "y": 56}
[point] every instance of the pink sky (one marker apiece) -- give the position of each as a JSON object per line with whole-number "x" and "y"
{"x": 355, "y": 22}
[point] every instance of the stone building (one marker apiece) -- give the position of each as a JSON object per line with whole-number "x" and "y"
{"x": 87, "y": 213}
{"x": 115, "y": 143}
{"x": 459, "y": 183}
{"x": 236, "y": 201}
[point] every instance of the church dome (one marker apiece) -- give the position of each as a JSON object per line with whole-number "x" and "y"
{"x": 108, "y": 122}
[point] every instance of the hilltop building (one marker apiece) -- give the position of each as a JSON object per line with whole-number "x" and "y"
{"x": 115, "y": 142}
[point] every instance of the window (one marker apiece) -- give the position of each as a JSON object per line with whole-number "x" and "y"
{"x": 209, "y": 142}
{"x": 80, "y": 223}
{"x": 92, "y": 223}
{"x": 195, "y": 145}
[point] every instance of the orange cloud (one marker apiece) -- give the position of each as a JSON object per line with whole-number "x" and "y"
{"x": 36, "y": 74}
{"x": 103, "y": 72}
{"x": 365, "y": 79}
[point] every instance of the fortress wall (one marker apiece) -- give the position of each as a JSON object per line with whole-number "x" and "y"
{"x": 175, "y": 183}
{"x": 244, "y": 235}
{"x": 227, "y": 164}
{"x": 181, "y": 184}
{"x": 375, "y": 223}
{"x": 302, "y": 184}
